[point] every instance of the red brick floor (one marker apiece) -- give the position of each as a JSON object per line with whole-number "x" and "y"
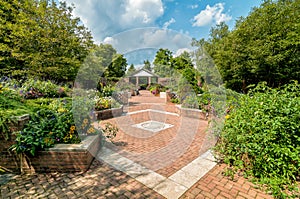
{"x": 215, "y": 185}
{"x": 166, "y": 151}
{"x": 100, "y": 181}
{"x": 103, "y": 181}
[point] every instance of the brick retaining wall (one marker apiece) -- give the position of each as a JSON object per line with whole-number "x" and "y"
{"x": 60, "y": 158}
{"x": 109, "y": 113}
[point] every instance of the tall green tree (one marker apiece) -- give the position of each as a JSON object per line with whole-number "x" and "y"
{"x": 264, "y": 46}
{"x": 131, "y": 70}
{"x": 117, "y": 68}
{"x": 163, "y": 63}
{"x": 147, "y": 65}
{"x": 103, "y": 62}
{"x": 41, "y": 39}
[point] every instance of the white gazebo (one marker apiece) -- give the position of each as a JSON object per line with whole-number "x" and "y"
{"x": 143, "y": 76}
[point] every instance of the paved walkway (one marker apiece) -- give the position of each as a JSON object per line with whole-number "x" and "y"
{"x": 171, "y": 163}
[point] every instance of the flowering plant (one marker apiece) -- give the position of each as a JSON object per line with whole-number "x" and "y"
{"x": 47, "y": 127}
{"x": 103, "y": 103}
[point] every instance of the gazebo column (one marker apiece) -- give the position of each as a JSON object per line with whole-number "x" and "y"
{"x": 137, "y": 81}
{"x": 149, "y": 80}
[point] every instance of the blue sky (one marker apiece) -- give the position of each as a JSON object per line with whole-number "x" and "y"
{"x": 119, "y": 22}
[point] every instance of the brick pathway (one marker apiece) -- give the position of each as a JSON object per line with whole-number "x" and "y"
{"x": 100, "y": 181}
{"x": 216, "y": 185}
{"x": 166, "y": 151}
{"x": 103, "y": 181}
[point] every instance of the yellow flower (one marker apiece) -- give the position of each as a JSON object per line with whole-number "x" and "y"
{"x": 227, "y": 117}
{"x": 83, "y": 126}
{"x": 61, "y": 110}
{"x": 72, "y": 128}
{"x": 85, "y": 121}
{"x": 91, "y": 130}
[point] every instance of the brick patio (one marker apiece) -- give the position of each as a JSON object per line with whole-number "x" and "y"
{"x": 104, "y": 181}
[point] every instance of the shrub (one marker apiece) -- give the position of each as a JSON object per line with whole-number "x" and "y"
{"x": 32, "y": 89}
{"x": 261, "y": 136}
{"x": 11, "y": 104}
{"x": 175, "y": 101}
{"x": 190, "y": 102}
{"x": 47, "y": 127}
{"x": 103, "y": 103}
{"x": 107, "y": 91}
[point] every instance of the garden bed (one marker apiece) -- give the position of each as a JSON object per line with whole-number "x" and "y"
{"x": 108, "y": 113}
{"x": 64, "y": 157}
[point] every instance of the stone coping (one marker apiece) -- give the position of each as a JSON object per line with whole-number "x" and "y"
{"x": 190, "y": 112}
{"x": 85, "y": 145}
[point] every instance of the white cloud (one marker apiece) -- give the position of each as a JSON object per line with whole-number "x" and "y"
{"x": 148, "y": 38}
{"x": 168, "y": 23}
{"x": 193, "y": 6}
{"x": 210, "y": 15}
{"x": 142, "y": 11}
{"x": 182, "y": 50}
{"x": 105, "y": 18}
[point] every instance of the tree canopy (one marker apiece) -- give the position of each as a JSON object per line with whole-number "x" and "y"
{"x": 147, "y": 65}
{"x": 103, "y": 62}
{"x": 41, "y": 39}
{"x": 264, "y": 46}
{"x": 166, "y": 65}
{"x": 130, "y": 70}
{"x": 163, "y": 63}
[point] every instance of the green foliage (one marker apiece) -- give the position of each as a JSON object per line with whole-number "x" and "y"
{"x": 130, "y": 70}
{"x": 261, "y": 136}
{"x": 163, "y": 63}
{"x": 101, "y": 65}
{"x": 103, "y": 103}
{"x": 264, "y": 46}
{"x": 190, "y": 102}
{"x": 31, "y": 89}
{"x": 47, "y": 127}
{"x": 11, "y": 104}
{"x": 41, "y": 39}
{"x": 5, "y": 120}
{"x": 117, "y": 68}
{"x": 155, "y": 88}
{"x": 147, "y": 65}
{"x": 175, "y": 100}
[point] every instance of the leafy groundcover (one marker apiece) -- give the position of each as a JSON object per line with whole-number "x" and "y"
{"x": 261, "y": 138}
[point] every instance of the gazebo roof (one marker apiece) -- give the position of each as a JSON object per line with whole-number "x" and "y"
{"x": 143, "y": 73}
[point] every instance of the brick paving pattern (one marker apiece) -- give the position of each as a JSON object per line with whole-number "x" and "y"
{"x": 215, "y": 185}
{"x": 166, "y": 151}
{"x": 100, "y": 181}
{"x": 103, "y": 181}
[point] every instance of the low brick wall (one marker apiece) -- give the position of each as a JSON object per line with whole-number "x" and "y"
{"x": 64, "y": 157}
{"x": 189, "y": 112}
{"x": 108, "y": 113}
{"x": 60, "y": 158}
{"x": 9, "y": 159}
